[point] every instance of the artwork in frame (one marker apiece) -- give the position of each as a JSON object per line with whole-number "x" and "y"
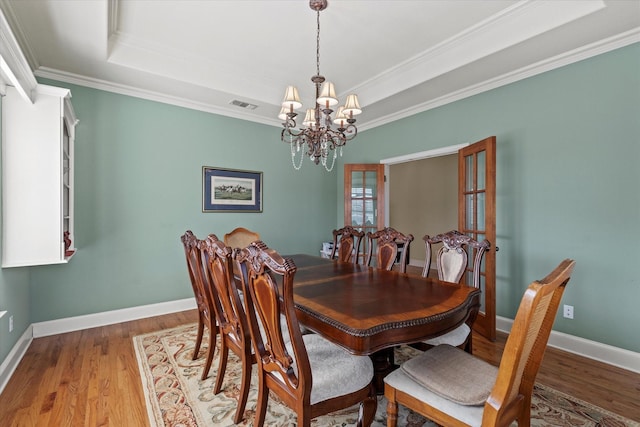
{"x": 231, "y": 190}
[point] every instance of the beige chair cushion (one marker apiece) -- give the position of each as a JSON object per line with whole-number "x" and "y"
{"x": 455, "y": 338}
{"x": 453, "y": 374}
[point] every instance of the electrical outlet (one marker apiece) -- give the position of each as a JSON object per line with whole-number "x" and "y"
{"x": 568, "y": 311}
{"x": 10, "y": 323}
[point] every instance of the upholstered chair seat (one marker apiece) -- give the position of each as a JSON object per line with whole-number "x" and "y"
{"x": 457, "y": 337}
{"x": 449, "y": 380}
{"x": 336, "y": 372}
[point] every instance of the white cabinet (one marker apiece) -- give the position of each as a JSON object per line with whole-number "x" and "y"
{"x": 37, "y": 177}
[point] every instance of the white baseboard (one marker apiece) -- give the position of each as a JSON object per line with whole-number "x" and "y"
{"x": 625, "y": 359}
{"x": 14, "y": 357}
{"x": 69, "y": 324}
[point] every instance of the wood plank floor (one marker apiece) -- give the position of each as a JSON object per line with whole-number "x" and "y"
{"x": 90, "y": 378}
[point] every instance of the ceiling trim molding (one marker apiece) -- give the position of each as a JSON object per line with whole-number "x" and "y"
{"x": 14, "y": 68}
{"x": 559, "y": 61}
{"x": 480, "y": 40}
{"x": 53, "y": 74}
{"x": 576, "y": 55}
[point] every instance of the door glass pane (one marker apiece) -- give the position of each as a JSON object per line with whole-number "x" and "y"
{"x": 468, "y": 184}
{"x": 356, "y": 184}
{"x": 481, "y": 170}
{"x": 481, "y": 207}
{"x": 370, "y": 184}
{"x": 356, "y": 213}
{"x": 469, "y": 225}
{"x": 370, "y": 217}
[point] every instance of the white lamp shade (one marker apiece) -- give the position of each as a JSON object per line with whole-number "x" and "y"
{"x": 291, "y": 98}
{"x": 352, "y": 106}
{"x": 282, "y": 115}
{"x": 341, "y": 118}
{"x": 310, "y": 117}
{"x": 327, "y": 94}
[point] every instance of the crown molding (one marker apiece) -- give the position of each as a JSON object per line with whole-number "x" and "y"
{"x": 14, "y": 68}
{"x": 522, "y": 21}
{"x": 577, "y": 55}
{"x": 76, "y": 79}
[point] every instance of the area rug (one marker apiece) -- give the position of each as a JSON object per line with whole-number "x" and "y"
{"x": 175, "y": 395}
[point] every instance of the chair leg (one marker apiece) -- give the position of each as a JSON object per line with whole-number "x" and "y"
{"x": 304, "y": 419}
{"x": 244, "y": 387}
{"x": 367, "y": 410}
{"x": 196, "y": 350}
{"x": 468, "y": 343}
{"x": 261, "y": 407}
{"x": 210, "y": 351}
{"x": 392, "y": 412}
{"x": 222, "y": 365}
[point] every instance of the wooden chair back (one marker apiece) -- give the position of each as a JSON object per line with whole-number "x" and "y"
{"x": 194, "y": 267}
{"x": 229, "y": 307}
{"x": 346, "y": 244}
{"x": 290, "y": 380}
{"x": 389, "y": 241}
{"x": 510, "y": 398}
{"x": 240, "y": 238}
{"x": 452, "y": 258}
{"x": 204, "y": 300}
{"x": 230, "y": 314}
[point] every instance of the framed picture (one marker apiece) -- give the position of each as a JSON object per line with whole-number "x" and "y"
{"x": 230, "y": 190}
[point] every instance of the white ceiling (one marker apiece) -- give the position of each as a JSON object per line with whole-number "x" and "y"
{"x": 400, "y": 57}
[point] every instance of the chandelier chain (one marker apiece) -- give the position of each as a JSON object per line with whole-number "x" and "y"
{"x": 318, "y": 44}
{"x": 316, "y": 138}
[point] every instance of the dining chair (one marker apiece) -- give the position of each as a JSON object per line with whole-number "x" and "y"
{"x": 346, "y": 244}
{"x": 389, "y": 242}
{"x": 454, "y": 388}
{"x": 232, "y": 320}
{"x": 206, "y": 310}
{"x": 452, "y": 262}
{"x": 308, "y": 373}
{"x": 240, "y": 237}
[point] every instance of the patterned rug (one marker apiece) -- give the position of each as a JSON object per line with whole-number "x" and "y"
{"x": 177, "y": 397}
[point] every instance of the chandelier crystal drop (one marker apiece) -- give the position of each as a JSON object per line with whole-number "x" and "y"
{"x": 317, "y": 139}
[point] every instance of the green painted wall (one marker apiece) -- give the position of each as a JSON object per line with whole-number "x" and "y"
{"x": 568, "y": 170}
{"x": 139, "y": 187}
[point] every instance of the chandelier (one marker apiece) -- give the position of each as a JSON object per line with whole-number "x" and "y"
{"x": 317, "y": 139}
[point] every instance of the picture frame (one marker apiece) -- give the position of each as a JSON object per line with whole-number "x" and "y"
{"x": 231, "y": 190}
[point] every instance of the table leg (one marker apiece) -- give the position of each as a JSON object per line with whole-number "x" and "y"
{"x": 383, "y": 364}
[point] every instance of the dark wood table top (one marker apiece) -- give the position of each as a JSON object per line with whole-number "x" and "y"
{"x": 364, "y": 309}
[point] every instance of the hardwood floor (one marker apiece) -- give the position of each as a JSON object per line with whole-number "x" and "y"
{"x": 90, "y": 378}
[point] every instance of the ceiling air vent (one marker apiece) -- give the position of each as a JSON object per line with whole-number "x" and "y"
{"x": 243, "y": 104}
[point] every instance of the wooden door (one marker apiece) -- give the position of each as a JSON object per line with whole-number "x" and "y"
{"x": 477, "y": 219}
{"x": 364, "y": 198}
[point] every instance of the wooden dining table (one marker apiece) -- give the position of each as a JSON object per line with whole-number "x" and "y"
{"x": 369, "y": 311}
